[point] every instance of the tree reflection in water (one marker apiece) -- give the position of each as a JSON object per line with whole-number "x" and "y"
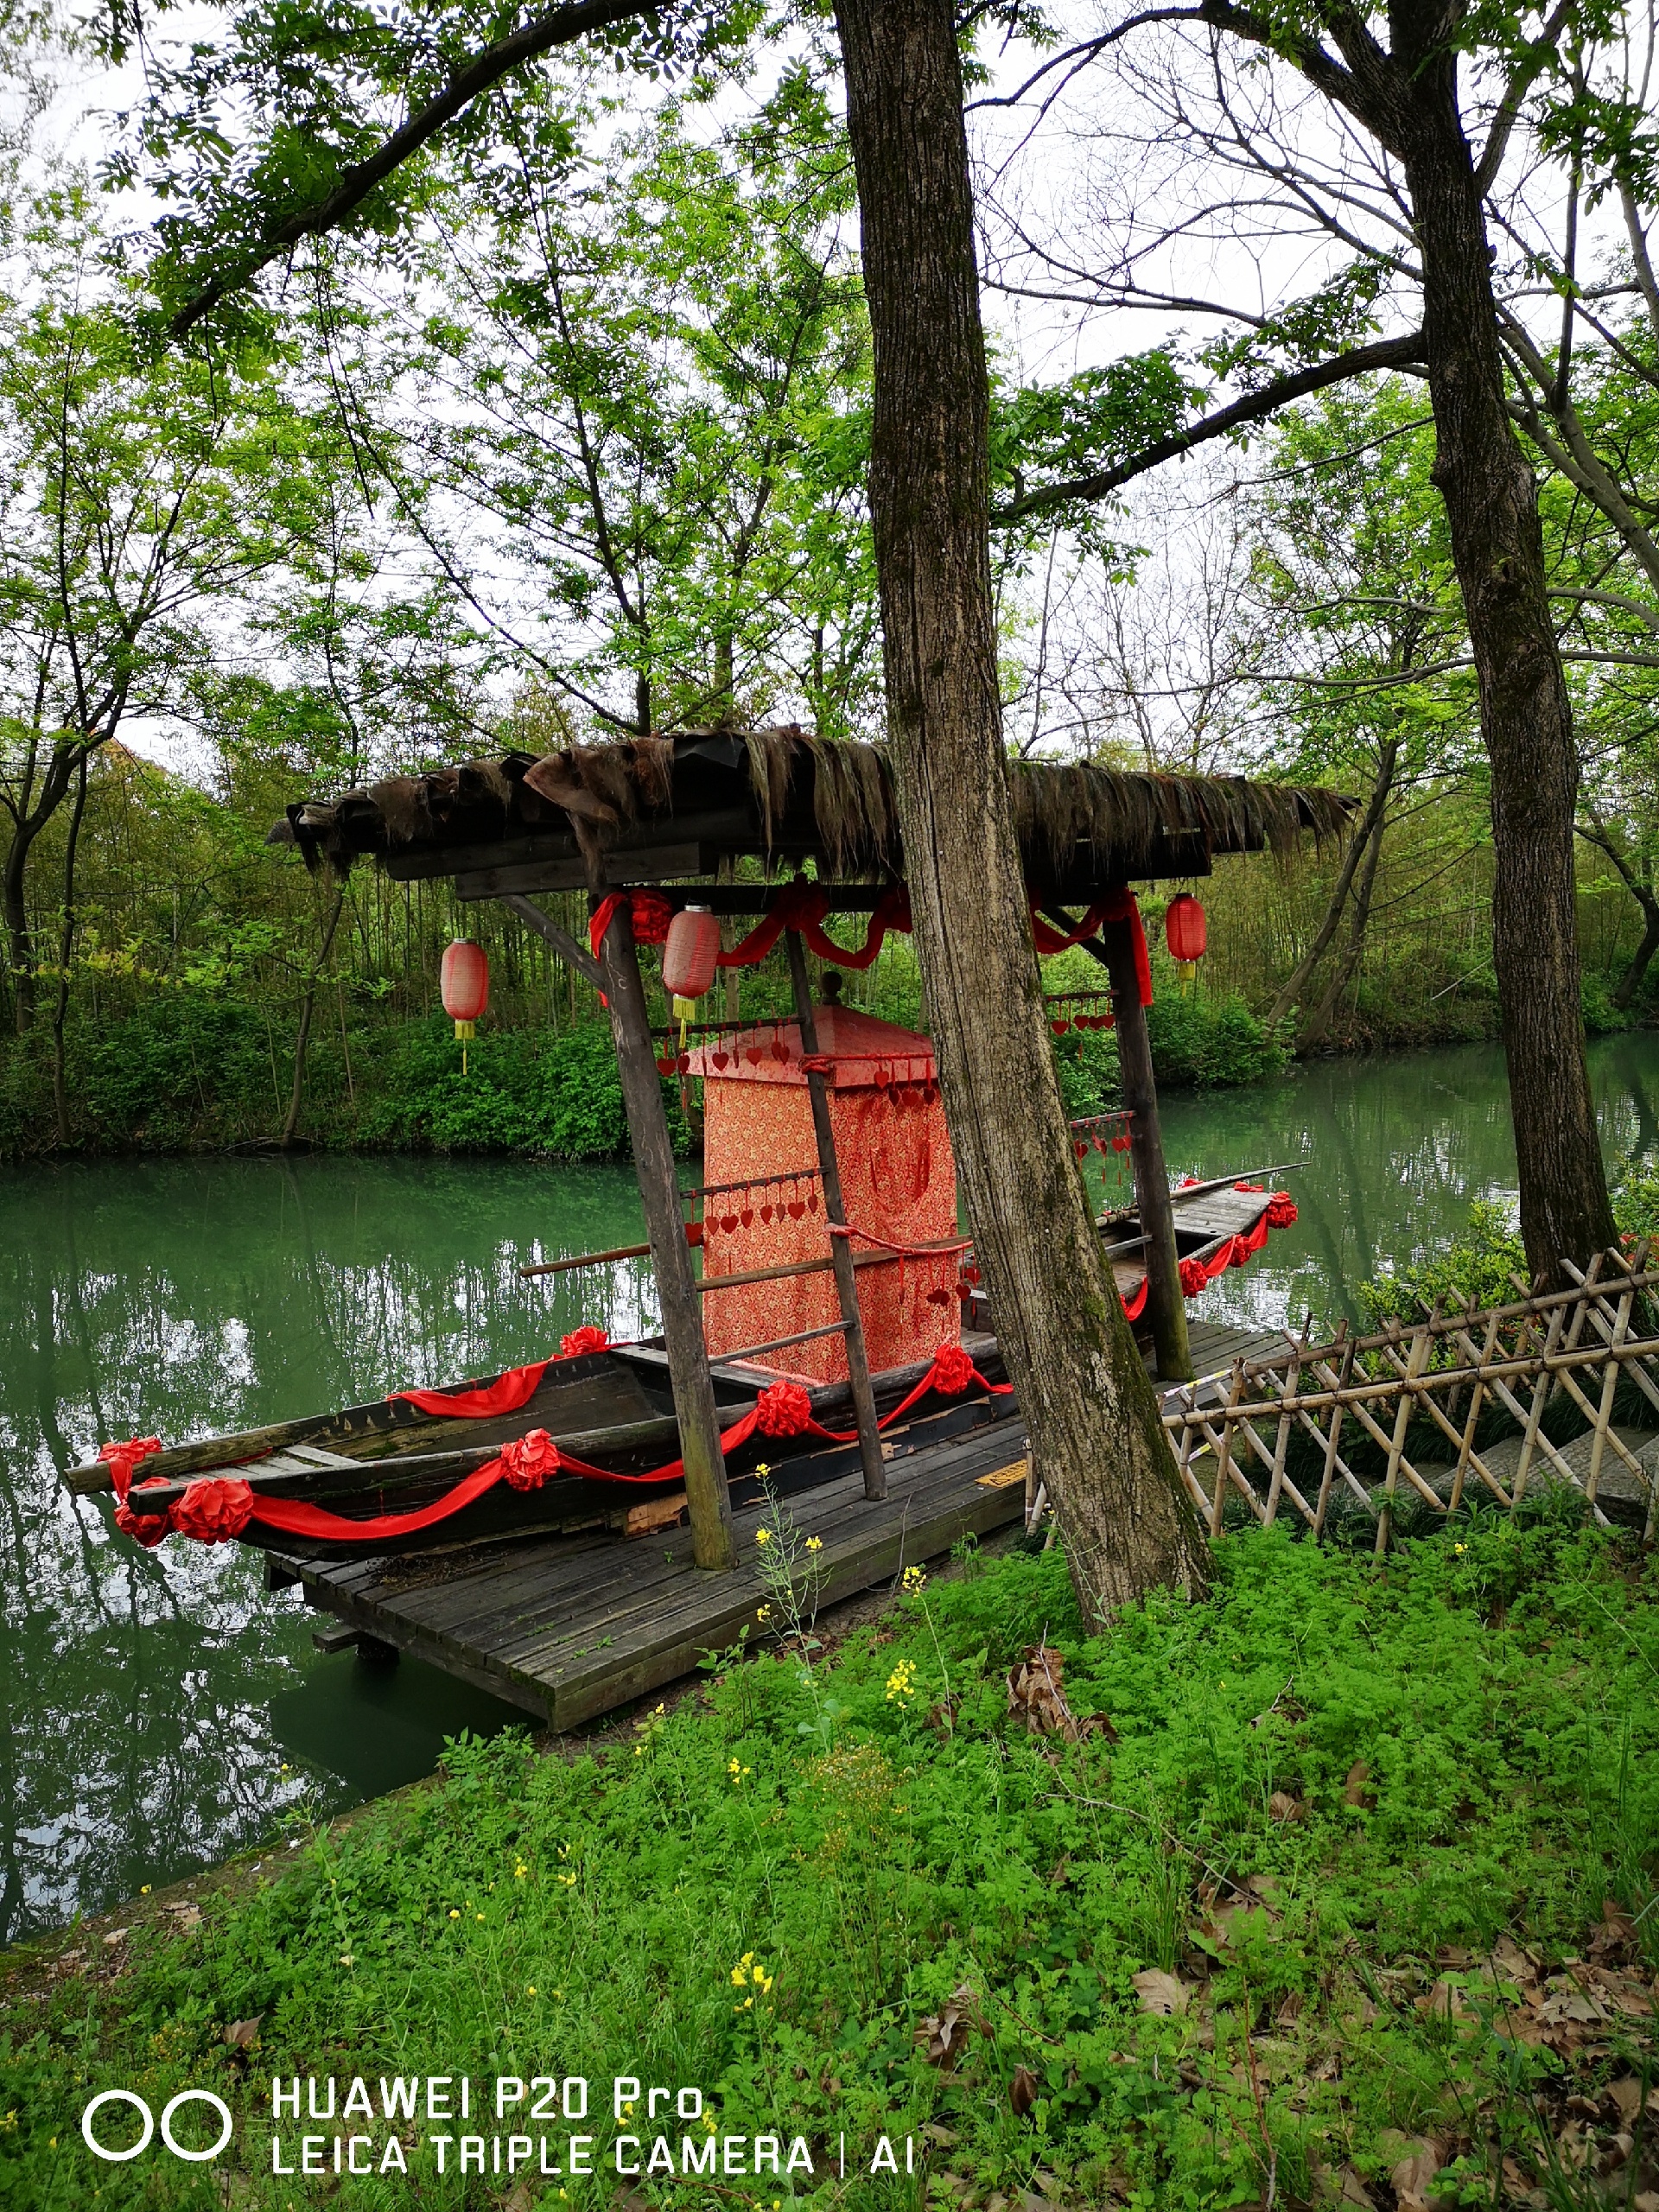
{"x": 146, "y": 1697}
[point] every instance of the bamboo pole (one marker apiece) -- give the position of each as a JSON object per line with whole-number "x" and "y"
{"x": 687, "y": 1360}
{"x": 858, "y": 1366}
{"x": 1165, "y": 1305}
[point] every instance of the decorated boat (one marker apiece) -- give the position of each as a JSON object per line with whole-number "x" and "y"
{"x": 821, "y": 1308}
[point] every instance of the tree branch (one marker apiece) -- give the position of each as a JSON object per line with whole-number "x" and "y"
{"x": 1360, "y": 361}
{"x": 560, "y": 26}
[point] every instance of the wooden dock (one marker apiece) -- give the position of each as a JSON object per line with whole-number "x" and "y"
{"x": 571, "y": 1627}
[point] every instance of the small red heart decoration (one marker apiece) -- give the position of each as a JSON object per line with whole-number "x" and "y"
{"x": 1060, "y": 1027}
{"x": 720, "y": 1059}
{"x": 811, "y": 1202}
{"x": 683, "y": 1062}
{"x": 796, "y": 1208}
{"x": 938, "y": 1297}
{"x": 747, "y": 1216}
{"x": 1080, "y": 1147}
{"x": 753, "y": 1056}
{"x": 780, "y": 1050}
{"x": 766, "y": 1213}
{"x": 727, "y": 1223}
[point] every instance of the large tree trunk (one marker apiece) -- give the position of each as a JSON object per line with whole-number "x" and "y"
{"x": 1089, "y": 1409}
{"x": 1525, "y": 717}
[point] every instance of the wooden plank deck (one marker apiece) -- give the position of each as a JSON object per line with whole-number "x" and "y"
{"x": 570, "y": 1627}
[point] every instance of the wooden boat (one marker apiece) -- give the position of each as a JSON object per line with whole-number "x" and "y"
{"x": 611, "y": 1409}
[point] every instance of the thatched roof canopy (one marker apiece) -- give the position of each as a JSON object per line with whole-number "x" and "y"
{"x": 664, "y": 810}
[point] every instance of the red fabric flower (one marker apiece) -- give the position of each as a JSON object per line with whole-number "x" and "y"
{"x": 953, "y": 1370}
{"x": 146, "y": 1528}
{"x": 214, "y": 1510}
{"x": 784, "y": 1409}
{"x": 121, "y": 1459}
{"x": 532, "y": 1461}
{"x": 586, "y": 1339}
{"x": 1281, "y": 1209}
{"x": 1194, "y": 1276}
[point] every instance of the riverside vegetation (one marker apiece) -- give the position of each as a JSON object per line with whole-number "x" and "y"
{"x": 1339, "y": 1888}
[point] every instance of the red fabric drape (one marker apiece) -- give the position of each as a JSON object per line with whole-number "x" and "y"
{"x": 1120, "y": 906}
{"x": 650, "y": 911}
{"x": 481, "y": 1402}
{"x": 804, "y": 907}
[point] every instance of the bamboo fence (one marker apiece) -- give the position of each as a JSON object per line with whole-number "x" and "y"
{"x": 1233, "y": 1435}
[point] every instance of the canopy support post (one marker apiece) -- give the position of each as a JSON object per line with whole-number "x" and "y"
{"x": 653, "y": 1156}
{"x": 858, "y": 1365}
{"x": 1165, "y": 1305}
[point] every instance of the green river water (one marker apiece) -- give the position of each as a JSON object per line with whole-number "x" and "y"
{"x": 158, "y": 1710}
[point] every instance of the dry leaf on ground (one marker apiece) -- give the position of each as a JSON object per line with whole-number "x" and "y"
{"x": 1160, "y": 1993}
{"x": 242, "y": 2035}
{"x": 941, "y": 2036}
{"x": 1413, "y": 2171}
{"x": 1023, "y": 2090}
{"x": 1037, "y": 1696}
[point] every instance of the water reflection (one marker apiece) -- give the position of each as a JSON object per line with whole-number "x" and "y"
{"x": 149, "y": 1702}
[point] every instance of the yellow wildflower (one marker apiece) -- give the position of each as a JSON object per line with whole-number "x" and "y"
{"x": 814, "y": 1543}
{"x": 763, "y": 1535}
{"x": 454, "y": 1914}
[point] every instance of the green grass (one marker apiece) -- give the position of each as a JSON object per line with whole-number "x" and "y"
{"x": 768, "y": 1890}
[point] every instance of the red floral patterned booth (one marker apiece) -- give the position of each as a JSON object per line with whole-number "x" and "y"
{"x": 898, "y": 1184}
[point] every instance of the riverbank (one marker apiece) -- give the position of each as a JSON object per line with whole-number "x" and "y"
{"x": 1336, "y": 1891}
{"x": 193, "y": 1072}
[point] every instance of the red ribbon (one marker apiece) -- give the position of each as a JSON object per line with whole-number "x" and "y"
{"x": 486, "y": 1401}
{"x": 1120, "y": 906}
{"x": 1279, "y": 1214}
{"x": 219, "y": 1507}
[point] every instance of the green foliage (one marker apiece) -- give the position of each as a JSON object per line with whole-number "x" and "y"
{"x": 1476, "y": 1265}
{"x": 1211, "y": 1042}
{"x": 780, "y": 1888}
{"x": 193, "y": 1070}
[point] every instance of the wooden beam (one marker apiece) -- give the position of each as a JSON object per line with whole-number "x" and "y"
{"x": 653, "y": 1157}
{"x": 1166, "y": 1306}
{"x": 561, "y": 939}
{"x": 578, "y": 874}
{"x": 858, "y": 1365}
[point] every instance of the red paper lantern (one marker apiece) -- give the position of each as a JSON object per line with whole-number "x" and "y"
{"x": 1184, "y": 928}
{"x": 464, "y": 982}
{"x": 691, "y": 952}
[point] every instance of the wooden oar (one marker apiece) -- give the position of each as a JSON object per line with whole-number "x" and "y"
{"x": 588, "y": 1260}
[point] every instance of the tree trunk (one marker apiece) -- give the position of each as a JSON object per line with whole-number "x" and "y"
{"x": 1526, "y": 717}
{"x": 20, "y": 942}
{"x": 1091, "y": 1413}
{"x": 1319, "y": 1021}
{"x": 1641, "y": 959}
{"x": 65, "y": 946}
{"x": 302, "y": 1038}
{"x": 1299, "y": 977}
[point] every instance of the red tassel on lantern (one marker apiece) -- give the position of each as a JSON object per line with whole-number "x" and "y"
{"x": 691, "y": 952}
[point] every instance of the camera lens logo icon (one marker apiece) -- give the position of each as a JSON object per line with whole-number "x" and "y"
{"x": 148, "y": 2125}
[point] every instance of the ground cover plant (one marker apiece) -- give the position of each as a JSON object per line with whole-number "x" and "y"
{"x": 1336, "y": 1889}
